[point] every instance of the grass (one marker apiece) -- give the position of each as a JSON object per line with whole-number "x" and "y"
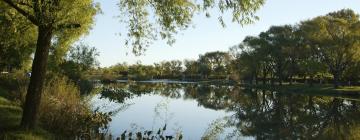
{"x": 349, "y": 88}
{"x": 315, "y": 89}
{"x": 10, "y": 119}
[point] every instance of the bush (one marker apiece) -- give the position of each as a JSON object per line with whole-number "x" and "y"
{"x": 62, "y": 111}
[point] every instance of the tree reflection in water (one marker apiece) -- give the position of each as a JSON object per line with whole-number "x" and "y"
{"x": 260, "y": 114}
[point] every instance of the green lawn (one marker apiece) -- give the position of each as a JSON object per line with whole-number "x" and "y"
{"x": 315, "y": 89}
{"x": 10, "y": 119}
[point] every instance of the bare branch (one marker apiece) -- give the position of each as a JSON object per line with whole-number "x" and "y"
{"x": 22, "y": 11}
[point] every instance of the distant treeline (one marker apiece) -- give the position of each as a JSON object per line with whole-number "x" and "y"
{"x": 213, "y": 65}
{"x": 322, "y": 49}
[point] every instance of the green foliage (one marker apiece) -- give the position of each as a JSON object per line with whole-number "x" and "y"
{"x": 17, "y": 40}
{"x": 18, "y": 32}
{"x": 53, "y": 18}
{"x": 64, "y": 112}
{"x": 312, "y": 49}
{"x": 10, "y": 113}
{"x": 171, "y": 68}
{"x": 72, "y": 12}
{"x": 15, "y": 85}
{"x": 79, "y": 60}
{"x": 217, "y": 62}
{"x": 171, "y": 16}
{"x": 27, "y": 135}
{"x": 141, "y": 72}
{"x": 191, "y": 67}
{"x": 10, "y": 118}
{"x": 335, "y": 39}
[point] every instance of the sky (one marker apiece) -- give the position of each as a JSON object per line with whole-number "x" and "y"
{"x": 205, "y": 35}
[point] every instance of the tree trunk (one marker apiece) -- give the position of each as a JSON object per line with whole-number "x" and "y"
{"x": 33, "y": 96}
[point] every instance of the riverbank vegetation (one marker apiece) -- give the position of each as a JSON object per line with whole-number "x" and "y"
{"x": 63, "y": 112}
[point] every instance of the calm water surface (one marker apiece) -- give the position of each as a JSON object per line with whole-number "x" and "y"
{"x": 227, "y": 112}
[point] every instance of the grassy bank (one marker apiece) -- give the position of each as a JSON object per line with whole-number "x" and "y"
{"x": 306, "y": 89}
{"x": 10, "y": 119}
{"x": 63, "y": 114}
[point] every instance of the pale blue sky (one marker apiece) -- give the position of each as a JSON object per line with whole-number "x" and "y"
{"x": 207, "y": 35}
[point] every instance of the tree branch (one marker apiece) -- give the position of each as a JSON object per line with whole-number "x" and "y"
{"x": 22, "y": 11}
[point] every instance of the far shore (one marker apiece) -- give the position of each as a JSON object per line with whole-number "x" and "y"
{"x": 316, "y": 89}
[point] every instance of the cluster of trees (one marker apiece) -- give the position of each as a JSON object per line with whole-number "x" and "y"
{"x": 212, "y": 65}
{"x": 323, "y": 47}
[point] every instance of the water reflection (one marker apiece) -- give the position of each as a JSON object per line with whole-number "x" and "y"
{"x": 227, "y": 112}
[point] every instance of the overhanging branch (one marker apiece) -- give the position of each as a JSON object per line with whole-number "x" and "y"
{"x": 22, "y": 11}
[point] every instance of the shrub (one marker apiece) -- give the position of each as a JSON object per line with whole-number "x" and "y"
{"x": 62, "y": 111}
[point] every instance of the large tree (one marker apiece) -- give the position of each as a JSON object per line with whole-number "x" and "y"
{"x": 54, "y": 18}
{"x": 55, "y": 21}
{"x": 191, "y": 67}
{"x": 335, "y": 38}
{"x": 278, "y": 38}
{"x": 247, "y": 58}
{"x": 217, "y": 61}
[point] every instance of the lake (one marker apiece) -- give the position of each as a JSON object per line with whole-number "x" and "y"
{"x": 194, "y": 111}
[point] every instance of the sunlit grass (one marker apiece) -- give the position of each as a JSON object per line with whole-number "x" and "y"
{"x": 10, "y": 113}
{"x": 349, "y": 88}
{"x": 306, "y": 89}
{"x": 23, "y": 135}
